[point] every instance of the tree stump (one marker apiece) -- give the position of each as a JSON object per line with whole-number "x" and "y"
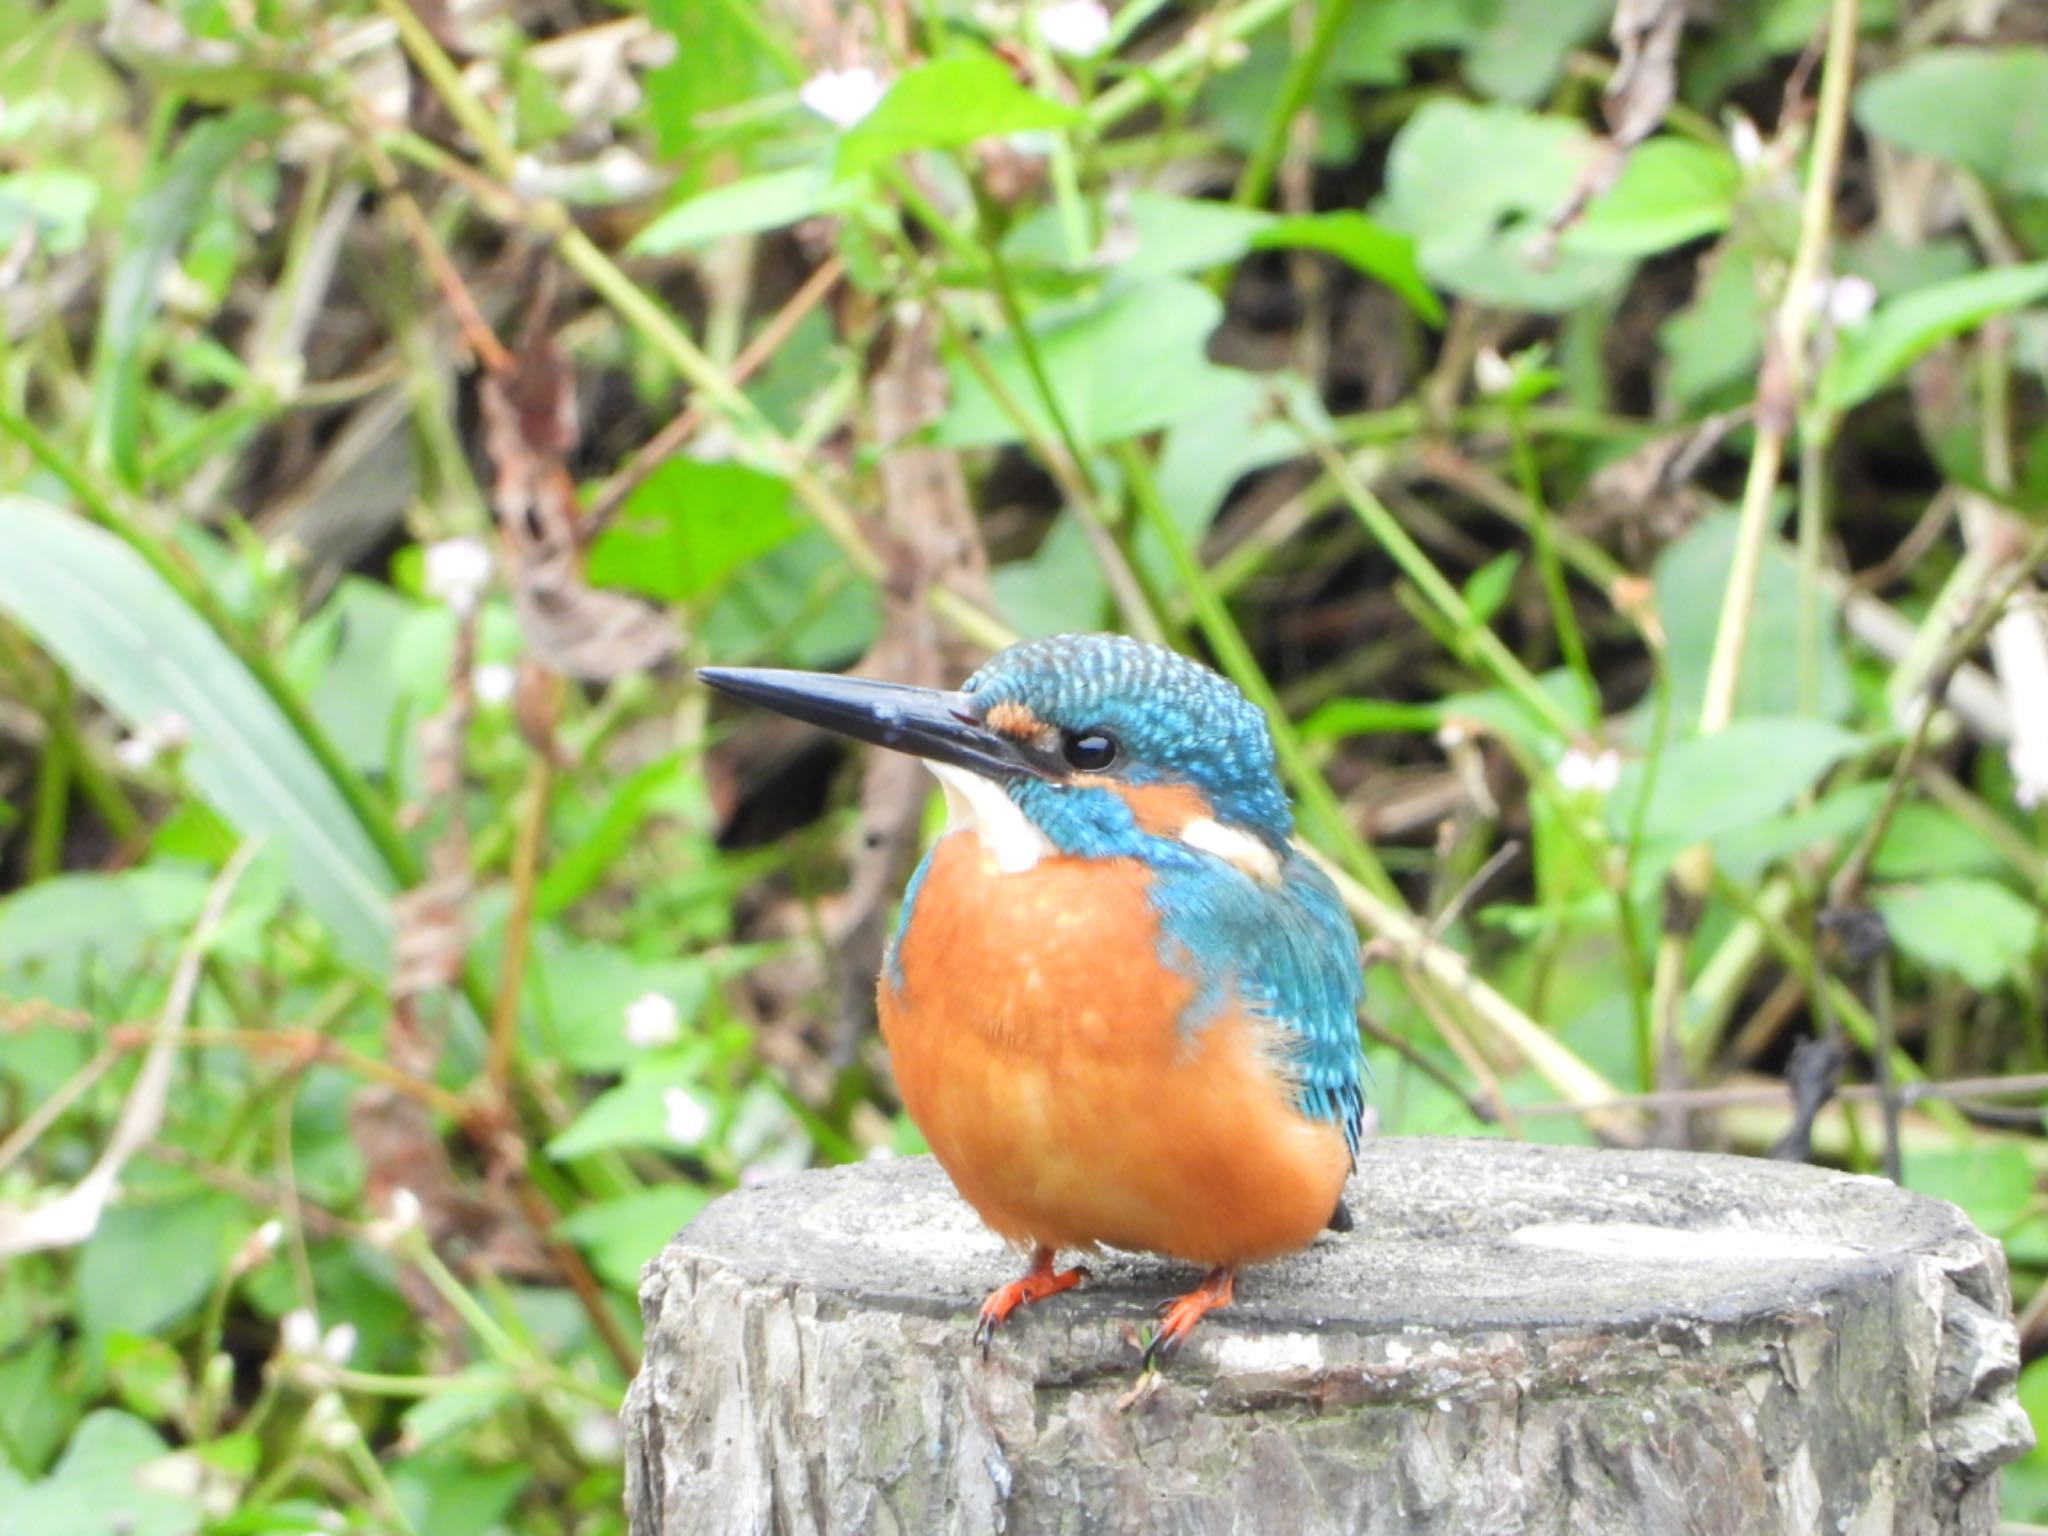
{"x": 1514, "y": 1339}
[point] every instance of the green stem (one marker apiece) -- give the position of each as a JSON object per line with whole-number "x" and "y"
{"x": 1485, "y": 648}
{"x": 1198, "y": 46}
{"x": 1256, "y": 180}
{"x": 1570, "y": 643}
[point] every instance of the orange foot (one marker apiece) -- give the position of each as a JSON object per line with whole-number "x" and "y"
{"x": 1040, "y": 1282}
{"x": 1184, "y": 1312}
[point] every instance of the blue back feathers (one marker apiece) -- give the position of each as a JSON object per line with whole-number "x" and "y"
{"x": 1288, "y": 952}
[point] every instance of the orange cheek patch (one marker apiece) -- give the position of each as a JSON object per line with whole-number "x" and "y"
{"x": 1163, "y": 810}
{"x": 1012, "y": 719}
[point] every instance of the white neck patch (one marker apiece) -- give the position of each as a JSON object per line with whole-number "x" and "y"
{"x": 981, "y": 806}
{"x": 1240, "y": 850}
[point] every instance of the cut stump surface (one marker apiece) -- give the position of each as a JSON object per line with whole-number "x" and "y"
{"x": 1519, "y": 1339}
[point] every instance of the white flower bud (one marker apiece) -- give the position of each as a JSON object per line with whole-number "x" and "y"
{"x": 842, "y": 96}
{"x": 652, "y": 1022}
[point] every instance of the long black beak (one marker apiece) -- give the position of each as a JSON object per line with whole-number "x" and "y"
{"x": 925, "y": 722}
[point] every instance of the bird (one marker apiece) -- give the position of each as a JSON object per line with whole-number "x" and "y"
{"x": 1121, "y": 1002}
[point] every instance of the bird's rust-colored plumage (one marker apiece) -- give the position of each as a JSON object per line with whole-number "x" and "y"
{"x": 1038, "y": 1043}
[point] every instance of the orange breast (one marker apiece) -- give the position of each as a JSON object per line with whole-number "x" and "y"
{"x": 1037, "y": 1043}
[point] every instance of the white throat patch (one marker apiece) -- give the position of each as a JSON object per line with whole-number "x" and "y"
{"x": 1245, "y": 852}
{"x": 978, "y": 805}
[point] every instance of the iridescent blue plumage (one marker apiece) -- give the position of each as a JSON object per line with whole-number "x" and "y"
{"x": 1283, "y": 948}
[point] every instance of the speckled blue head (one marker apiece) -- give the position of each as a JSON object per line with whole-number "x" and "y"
{"x": 1173, "y": 721}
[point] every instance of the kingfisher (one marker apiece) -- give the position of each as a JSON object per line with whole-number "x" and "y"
{"x": 1120, "y": 1003}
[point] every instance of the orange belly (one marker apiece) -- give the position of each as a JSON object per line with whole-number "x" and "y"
{"x": 1037, "y": 1043}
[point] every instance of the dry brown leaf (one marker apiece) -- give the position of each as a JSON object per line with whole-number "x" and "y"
{"x": 1646, "y": 499}
{"x": 1645, "y": 79}
{"x": 570, "y": 627}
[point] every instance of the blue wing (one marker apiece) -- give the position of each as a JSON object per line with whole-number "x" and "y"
{"x": 1289, "y": 953}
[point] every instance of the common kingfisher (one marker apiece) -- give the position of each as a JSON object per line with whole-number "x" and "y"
{"x": 1121, "y": 1004}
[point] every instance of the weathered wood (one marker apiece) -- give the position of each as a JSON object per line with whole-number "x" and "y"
{"x": 1515, "y": 1339}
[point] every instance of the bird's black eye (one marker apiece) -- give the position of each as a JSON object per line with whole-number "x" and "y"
{"x": 1089, "y": 751}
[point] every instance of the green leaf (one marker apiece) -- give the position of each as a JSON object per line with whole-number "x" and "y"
{"x": 149, "y": 1375}
{"x": 1993, "y": 1184}
{"x": 112, "y": 918}
{"x": 689, "y": 525}
{"x": 1474, "y": 186}
{"x": 96, "y": 606}
{"x": 1157, "y": 236}
{"x": 1875, "y": 353}
{"x": 1056, "y": 590}
{"x": 56, "y": 204}
{"x": 96, "y": 1489}
{"x": 749, "y": 207}
{"x": 1714, "y": 343}
{"x": 1374, "y": 41}
{"x": 799, "y": 602}
{"x": 643, "y": 1111}
{"x": 1671, "y": 191}
{"x": 1710, "y": 786}
{"x": 155, "y": 228}
{"x": 1383, "y": 254}
{"x": 1691, "y": 574}
{"x": 1984, "y": 109}
{"x": 1975, "y": 928}
{"x": 622, "y": 1234}
{"x": 2025, "y": 1482}
{"x": 149, "y": 1264}
{"x": 463, "y": 1402}
{"x": 586, "y": 989}
{"x": 719, "y": 61}
{"x": 947, "y": 104}
{"x": 1522, "y": 50}
{"x": 1926, "y": 840}
{"x": 450, "y": 1494}
{"x": 1129, "y": 363}
{"x": 1489, "y": 587}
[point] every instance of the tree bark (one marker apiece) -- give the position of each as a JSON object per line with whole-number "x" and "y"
{"x": 1516, "y": 1339}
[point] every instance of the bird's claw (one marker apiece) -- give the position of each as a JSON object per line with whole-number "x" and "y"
{"x": 1179, "y": 1315}
{"x": 1042, "y": 1281}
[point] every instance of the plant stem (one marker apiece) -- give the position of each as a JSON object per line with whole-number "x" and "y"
{"x": 1485, "y": 647}
{"x": 1778, "y": 392}
{"x": 1256, "y": 179}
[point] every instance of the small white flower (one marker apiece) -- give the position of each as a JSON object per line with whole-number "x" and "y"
{"x": 1077, "y": 28}
{"x": 167, "y": 733}
{"x": 684, "y": 1118}
{"x": 456, "y": 572}
{"x": 651, "y": 1022}
{"x": 269, "y": 1235}
{"x": 2030, "y": 774}
{"x": 339, "y": 1343}
{"x": 493, "y": 683}
{"x": 402, "y": 1218}
{"x": 299, "y": 1332}
{"x": 1846, "y": 301}
{"x": 1582, "y": 770}
{"x": 405, "y": 1207}
{"x": 1494, "y": 374}
{"x": 1745, "y": 142}
{"x": 842, "y": 96}
{"x": 596, "y": 1436}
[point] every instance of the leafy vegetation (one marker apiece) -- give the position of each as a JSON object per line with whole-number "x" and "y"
{"x": 1618, "y": 464}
